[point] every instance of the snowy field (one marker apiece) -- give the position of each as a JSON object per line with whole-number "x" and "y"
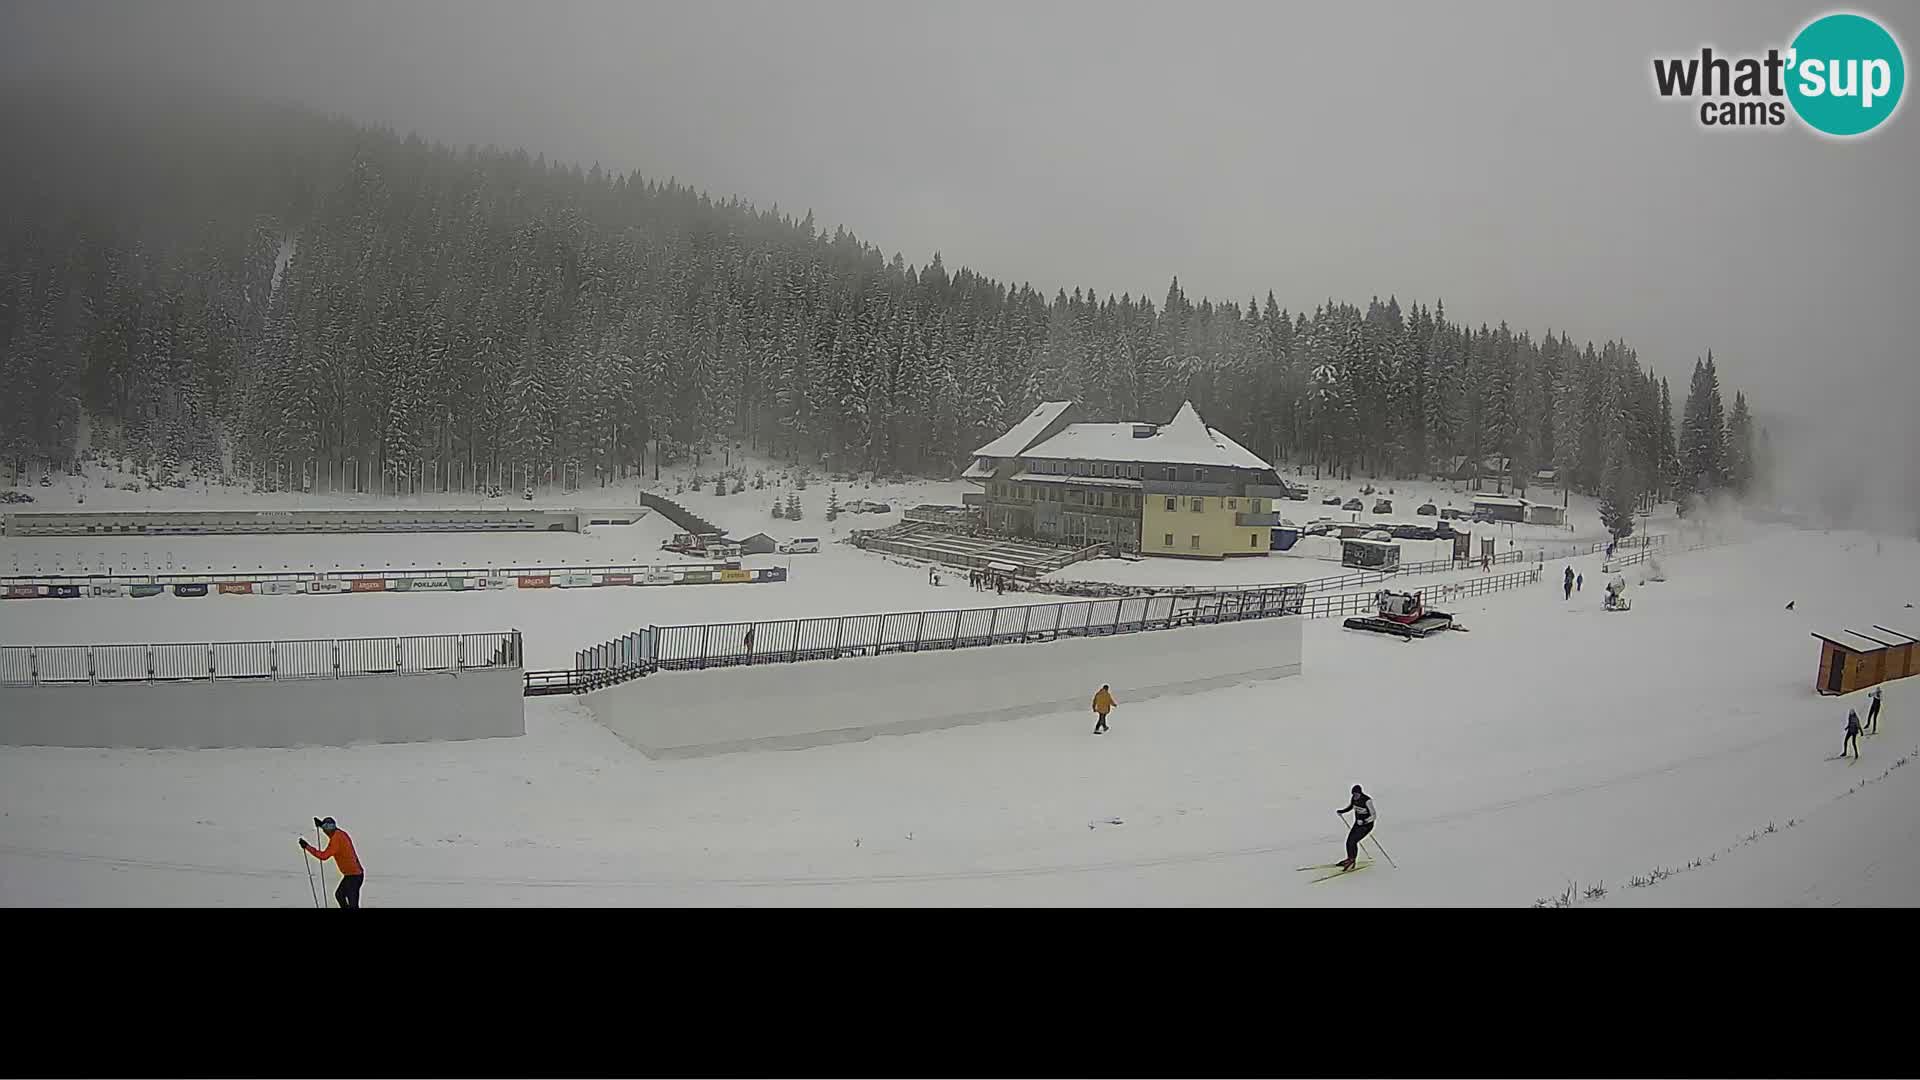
{"x": 1554, "y": 744}
{"x": 741, "y": 515}
{"x": 839, "y": 580}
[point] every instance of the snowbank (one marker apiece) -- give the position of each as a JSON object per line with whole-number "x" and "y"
{"x": 789, "y": 706}
{"x": 481, "y": 704}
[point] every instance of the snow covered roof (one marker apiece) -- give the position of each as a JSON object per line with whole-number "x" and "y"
{"x": 1497, "y": 500}
{"x": 1848, "y": 639}
{"x": 1022, "y": 434}
{"x": 1184, "y": 440}
{"x": 1895, "y": 633}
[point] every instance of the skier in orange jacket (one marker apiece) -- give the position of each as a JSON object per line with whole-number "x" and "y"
{"x": 340, "y": 849}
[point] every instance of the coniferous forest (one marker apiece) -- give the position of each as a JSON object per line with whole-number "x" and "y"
{"x": 197, "y": 286}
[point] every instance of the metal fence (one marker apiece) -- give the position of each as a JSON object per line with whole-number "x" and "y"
{"x": 1320, "y": 607}
{"x": 679, "y": 648}
{"x": 34, "y": 665}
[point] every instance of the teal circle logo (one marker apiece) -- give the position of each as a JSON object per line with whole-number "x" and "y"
{"x": 1845, "y": 75}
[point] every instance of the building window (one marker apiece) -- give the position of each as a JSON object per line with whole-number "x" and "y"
{"x": 1193, "y": 542}
{"x": 1233, "y": 504}
{"x": 1253, "y": 541}
{"x": 1170, "y": 504}
{"x": 1074, "y": 496}
{"x": 1168, "y": 541}
{"x": 1199, "y": 505}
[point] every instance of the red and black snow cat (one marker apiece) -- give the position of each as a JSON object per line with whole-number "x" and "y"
{"x": 1403, "y": 615}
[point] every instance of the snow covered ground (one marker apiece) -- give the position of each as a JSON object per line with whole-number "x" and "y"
{"x": 742, "y": 515}
{"x": 1553, "y": 744}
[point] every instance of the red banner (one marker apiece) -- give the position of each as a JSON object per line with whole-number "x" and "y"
{"x": 618, "y": 579}
{"x": 369, "y": 584}
{"x": 229, "y": 588}
{"x": 542, "y": 582}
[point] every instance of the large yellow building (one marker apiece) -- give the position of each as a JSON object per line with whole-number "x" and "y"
{"x": 1180, "y": 488}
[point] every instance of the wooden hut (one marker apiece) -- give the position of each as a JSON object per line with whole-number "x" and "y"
{"x": 1852, "y": 661}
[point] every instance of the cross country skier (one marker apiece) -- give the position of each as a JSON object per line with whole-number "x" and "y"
{"x": 340, "y": 849}
{"x": 1579, "y": 582}
{"x": 1567, "y": 585}
{"x": 1873, "y": 713}
{"x": 1362, "y": 806}
{"x": 1853, "y": 735}
{"x": 1102, "y": 705}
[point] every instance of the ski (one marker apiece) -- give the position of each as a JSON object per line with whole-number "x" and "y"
{"x": 1333, "y": 865}
{"x": 1357, "y": 867}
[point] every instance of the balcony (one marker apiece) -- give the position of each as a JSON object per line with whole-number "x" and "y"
{"x": 1266, "y": 519}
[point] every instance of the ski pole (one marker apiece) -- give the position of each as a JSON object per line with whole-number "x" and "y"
{"x": 1376, "y": 843}
{"x": 323, "y": 865}
{"x": 308, "y": 863}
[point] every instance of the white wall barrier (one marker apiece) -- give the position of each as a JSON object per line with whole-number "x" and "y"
{"x": 790, "y": 706}
{"x": 475, "y": 704}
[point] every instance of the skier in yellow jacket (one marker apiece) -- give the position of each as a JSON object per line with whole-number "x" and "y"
{"x": 1102, "y": 705}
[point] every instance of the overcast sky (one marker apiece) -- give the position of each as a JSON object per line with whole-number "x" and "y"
{"x": 1510, "y": 158}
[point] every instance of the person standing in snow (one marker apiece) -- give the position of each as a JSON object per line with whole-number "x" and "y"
{"x": 1579, "y": 582}
{"x": 340, "y": 849}
{"x": 1873, "y": 713}
{"x": 1567, "y": 585}
{"x": 1853, "y": 735}
{"x": 1102, "y": 705}
{"x": 1363, "y": 817}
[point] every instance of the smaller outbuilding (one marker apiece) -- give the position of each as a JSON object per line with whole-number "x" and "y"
{"x": 759, "y": 544}
{"x": 1851, "y": 660}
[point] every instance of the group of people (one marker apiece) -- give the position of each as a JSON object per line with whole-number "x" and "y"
{"x": 1855, "y": 729}
{"x": 987, "y": 579}
{"x": 1574, "y": 583}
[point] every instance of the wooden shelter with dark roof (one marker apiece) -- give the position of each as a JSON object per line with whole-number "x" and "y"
{"x": 1852, "y": 660}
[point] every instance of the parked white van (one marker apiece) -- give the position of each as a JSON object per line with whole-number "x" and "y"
{"x": 801, "y": 545}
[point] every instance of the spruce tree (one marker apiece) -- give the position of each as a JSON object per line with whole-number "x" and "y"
{"x": 1740, "y": 452}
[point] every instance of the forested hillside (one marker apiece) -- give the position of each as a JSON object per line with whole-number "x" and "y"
{"x": 270, "y": 292}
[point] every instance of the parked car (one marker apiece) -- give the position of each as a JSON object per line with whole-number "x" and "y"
{"x": 1382, "y": 506}
{"x": 1331, "y": 500}
{"x": 1412, "y": 532}
{"x": 1297, "y": 494}
{"x": 1426, "y": 510}
{"x": 15, "y": 497}
{"x": 1451, "y": 514}
{"x": 1378, "y": 534}
{"x": 1354, "y": 504}
{"x": 801, "y": 545}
